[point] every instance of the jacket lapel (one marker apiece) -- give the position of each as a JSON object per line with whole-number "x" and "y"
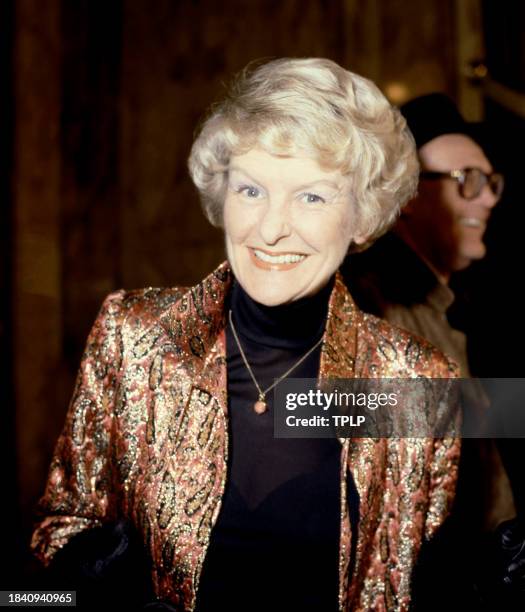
{"x": 363, "y": 457}
{"x": 197, "y": 464}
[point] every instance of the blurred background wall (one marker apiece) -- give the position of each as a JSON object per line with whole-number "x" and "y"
{"x": 100, "y": 101}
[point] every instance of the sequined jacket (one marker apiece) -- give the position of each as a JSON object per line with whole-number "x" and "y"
{"x": 146, "y": 438}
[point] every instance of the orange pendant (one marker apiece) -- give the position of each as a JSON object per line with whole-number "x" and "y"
{"x": 260, "y": 406}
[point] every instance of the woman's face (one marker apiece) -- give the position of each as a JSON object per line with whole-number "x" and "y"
{"x": 288, "y": 225}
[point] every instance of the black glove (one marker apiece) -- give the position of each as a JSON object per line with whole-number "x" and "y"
{"x": 501, "y": 582}
{"x": 107, "y": 566}
{"x": 511, "y": 538}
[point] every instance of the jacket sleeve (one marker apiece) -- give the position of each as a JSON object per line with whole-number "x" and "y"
{"x": 443, "y": 477}
{"x": 445, "y": 453}
{"x": 79, "y": 493}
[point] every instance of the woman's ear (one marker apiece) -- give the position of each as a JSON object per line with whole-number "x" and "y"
{"x": 359, "y": 239}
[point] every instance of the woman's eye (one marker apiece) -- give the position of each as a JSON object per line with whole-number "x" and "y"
{"x": 249, "y": 191}
{"x": 312, "y": 198}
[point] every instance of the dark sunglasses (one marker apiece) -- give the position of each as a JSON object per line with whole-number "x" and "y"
{"x": 471, "y": 181}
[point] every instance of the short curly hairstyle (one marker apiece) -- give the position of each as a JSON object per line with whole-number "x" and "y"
{"x": 311, "y": 106}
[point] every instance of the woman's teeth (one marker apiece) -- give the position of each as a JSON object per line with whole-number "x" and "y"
{"x": 278, "y": 259}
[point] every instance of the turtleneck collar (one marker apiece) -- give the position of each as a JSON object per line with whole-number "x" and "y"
{"x": 295, "y": 325}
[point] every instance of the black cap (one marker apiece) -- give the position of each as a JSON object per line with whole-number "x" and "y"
{"x": 433, "y": 115}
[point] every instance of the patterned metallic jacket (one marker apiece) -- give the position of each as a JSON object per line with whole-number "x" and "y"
{"x": 145, "y": 439}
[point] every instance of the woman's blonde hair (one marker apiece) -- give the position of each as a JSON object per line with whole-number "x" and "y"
{"x": 314, "y": 107}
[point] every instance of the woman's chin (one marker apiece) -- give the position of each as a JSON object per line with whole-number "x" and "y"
{"x": 277, "y": 296}
{"x": 270, "y": 298}
{"x": 271, "y": 294}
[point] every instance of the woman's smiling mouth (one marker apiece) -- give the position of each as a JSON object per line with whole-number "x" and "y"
{"x": 275, "y": 261}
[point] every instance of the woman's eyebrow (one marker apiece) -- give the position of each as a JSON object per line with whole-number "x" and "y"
{"x": 327, "y": 182}
{"x": 247, "y": 174}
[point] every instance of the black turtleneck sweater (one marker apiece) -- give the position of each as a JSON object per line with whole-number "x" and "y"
{"x": 275, "y": 545}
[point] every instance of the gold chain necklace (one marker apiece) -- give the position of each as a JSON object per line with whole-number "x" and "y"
{"x": 260, "y": 404}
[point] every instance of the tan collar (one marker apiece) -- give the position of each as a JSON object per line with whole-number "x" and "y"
{"x": 441, "y": 297}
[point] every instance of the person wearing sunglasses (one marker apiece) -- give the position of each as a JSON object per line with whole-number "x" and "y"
{"x": 404, "y": 277}
{"x": 458, "y": 189}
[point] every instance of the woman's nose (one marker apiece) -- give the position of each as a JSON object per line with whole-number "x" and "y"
{"x": 274, "y": 223}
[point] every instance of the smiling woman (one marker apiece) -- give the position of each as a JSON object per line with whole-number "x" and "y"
{"x": 285, "y": 237}
{"x": 171, "y": 423}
